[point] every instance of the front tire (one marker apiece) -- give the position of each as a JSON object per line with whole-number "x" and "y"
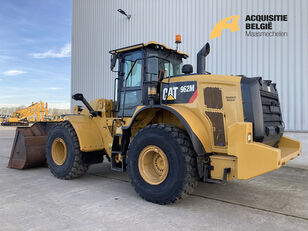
{"x": 63, "y": 154}
{"x": 162, "y": 164}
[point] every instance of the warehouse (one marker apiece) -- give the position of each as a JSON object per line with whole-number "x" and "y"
{"x": 98, "y": 27}
{"x": 185, "y": 153}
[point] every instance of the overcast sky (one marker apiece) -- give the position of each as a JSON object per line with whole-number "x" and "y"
{"x": 35, "y": 50}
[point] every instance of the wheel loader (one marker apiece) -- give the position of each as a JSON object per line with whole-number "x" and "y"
{"x": 167, "y": 126}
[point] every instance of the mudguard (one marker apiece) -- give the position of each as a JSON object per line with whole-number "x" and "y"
{"x": 89, "y": 135}
{"x": 194, "y": 126}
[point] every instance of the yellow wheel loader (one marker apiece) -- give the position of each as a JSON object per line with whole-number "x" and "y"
{"x": 167, "y": 126}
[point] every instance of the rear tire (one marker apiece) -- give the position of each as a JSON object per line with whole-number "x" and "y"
{"x": 175, "y": 146}
{"x": 63, "y": 154}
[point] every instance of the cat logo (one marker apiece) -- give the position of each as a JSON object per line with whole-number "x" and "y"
{"x": 169, "y": 93}
{"x": 170, "y": 97}
{"x": 179, "y": 92}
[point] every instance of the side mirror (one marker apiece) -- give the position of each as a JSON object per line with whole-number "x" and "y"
{"x": 113, "y": 61}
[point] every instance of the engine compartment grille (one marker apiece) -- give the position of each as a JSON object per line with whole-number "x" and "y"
{"x": 262, "y": 107}
{"x": 272, "y": 116}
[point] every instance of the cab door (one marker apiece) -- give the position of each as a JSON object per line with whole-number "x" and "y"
{"x": 130, "y": 83}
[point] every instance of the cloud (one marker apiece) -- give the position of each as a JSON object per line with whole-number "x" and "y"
{"x": 4, "y": 58}
{"x": 2, "y": 105}
{"x": 55, "y": 88}
{"x": 63, "y": 53}
{"x": 13, "y": 72}
{"x": 10, "y": 97}
{"x": 59, "y": 105}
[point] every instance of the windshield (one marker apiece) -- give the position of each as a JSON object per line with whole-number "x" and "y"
{"x": 162, "y": 64}
{"x": 173, "y": 67}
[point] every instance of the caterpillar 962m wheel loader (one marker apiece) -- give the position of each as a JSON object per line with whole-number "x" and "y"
{"x": 167, "y": 127}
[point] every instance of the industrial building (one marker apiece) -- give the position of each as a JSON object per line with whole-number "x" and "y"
{"x": 98, "y": 27}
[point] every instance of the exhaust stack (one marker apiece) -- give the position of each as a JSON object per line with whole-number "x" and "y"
{"x": 201, "y": 58}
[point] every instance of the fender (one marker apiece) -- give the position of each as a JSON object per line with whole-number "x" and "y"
{"x": 89, "y": 135}
{"x": 193, "y": 125}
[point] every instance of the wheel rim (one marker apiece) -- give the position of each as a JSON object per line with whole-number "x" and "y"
{"x": 153, "y": 165}
{"x": 59, "y": 151}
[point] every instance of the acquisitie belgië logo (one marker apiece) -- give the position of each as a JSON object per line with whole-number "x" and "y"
{"x": 266, "y": 25}
{"x": 225, "y": 24}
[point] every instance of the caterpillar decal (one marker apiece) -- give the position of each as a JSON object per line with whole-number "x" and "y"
{"x": 179, "y": 92}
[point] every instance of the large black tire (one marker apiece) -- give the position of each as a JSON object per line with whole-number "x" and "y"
{"x": 182, "y": 174}
{"x": 73, "y": 166}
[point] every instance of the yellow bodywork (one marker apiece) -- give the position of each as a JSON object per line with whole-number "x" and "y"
{"x": 89, "y": 135}
{"x": 254, "y": 158}
{"x": 242, "y": 155}
{"x": 94, "y": 133}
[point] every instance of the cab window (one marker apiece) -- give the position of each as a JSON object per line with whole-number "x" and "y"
{"x": 162, "y": 64}
{"x": 134, "y": 78}
{"x": 131, "y": 89}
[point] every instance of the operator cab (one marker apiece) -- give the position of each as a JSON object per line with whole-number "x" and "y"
{"x": 141, "y": 68}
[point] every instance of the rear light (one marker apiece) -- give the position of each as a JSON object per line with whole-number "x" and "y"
{"x": 249, "y": 139}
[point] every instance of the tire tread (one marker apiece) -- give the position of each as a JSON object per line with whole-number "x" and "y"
{"x": 183, "y": 140}
{"x": 79, "y": 168}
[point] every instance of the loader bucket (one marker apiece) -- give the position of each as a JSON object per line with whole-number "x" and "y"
{"x": 29, "y": 147}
